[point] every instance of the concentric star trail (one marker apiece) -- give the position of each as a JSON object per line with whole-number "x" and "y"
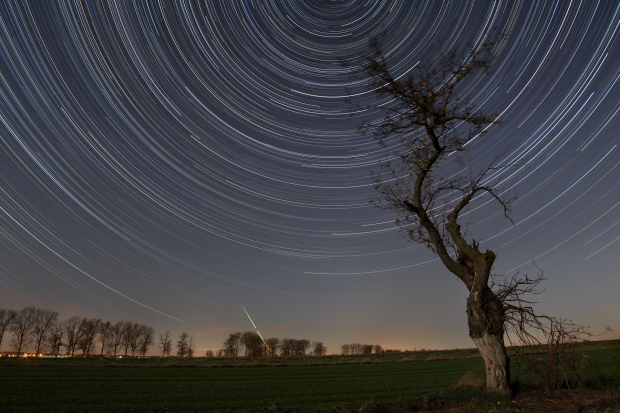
{"x": 160, "y": 158}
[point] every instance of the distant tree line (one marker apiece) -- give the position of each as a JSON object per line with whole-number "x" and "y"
{"x": 357, "y": 348}
{"x": 250, "y": 344}
{"x": 42, "y": 331}
{"x": 185, "y": 345}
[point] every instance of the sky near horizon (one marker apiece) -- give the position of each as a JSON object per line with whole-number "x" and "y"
{"x": 170, "y": 163}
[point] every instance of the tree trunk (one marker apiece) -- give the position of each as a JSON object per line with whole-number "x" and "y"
{"x": 485, "y": 316}
{"x": 496, "y": 362}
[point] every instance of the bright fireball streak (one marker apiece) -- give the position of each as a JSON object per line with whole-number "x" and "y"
{"x": 261, "y": 337}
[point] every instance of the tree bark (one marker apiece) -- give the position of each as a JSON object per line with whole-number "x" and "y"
{"x": 485, "y": 316}
{"x": 497, "y": 367}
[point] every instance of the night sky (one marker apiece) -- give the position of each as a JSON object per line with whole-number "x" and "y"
{"x": 168, "y": 162}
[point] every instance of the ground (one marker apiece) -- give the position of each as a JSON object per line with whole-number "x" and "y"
{"x": 438, "y": 381}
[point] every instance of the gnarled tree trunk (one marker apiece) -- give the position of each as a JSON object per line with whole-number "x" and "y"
{"x": 485, "y": 317}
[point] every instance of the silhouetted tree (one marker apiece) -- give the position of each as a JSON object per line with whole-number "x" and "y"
{"x": 88, "y": 332}
{"x": 231, "y": 345}
{"x": 55, "y": 338}
{"x": 246, "y": 342}
{"x": 6, "y": 318}
{"x": 103, "y": 334}
{"x": 130, "y": 340}
{"x": 209, "y": 353}
{"x": 252, "y": 343}
{"x": 318, "y": 348}
{"x": 356, "y": 348}
{"x": 287, "y": 348}
{"x": 22, "y": 327}
{"x": 433, "y": 121}
{"x": 117, "y": 333}
{"x": 377, "y": 348}
{"x": 165, "y": 343}
{"x": 301, "y": 346}
{"x": 191, "y": 346}
{"x": 145, "y": 340}
{"x": 128, "y": 335}
{"x": 182, "y": 345}
{"x": 45, "y": 320}
{"x": 272, "y": 344}
{"x": 73, "y": 333}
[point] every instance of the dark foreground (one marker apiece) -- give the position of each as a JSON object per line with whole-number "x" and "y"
{"x": 403, "y": 386}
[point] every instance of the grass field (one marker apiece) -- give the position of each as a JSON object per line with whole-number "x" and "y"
{"x": 84, "y": 389}
{"x": 56, "y": 388}
{"x": 413, "y": 356}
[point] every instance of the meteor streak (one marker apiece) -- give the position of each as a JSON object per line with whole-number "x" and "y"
{"x": 261, "y": 337}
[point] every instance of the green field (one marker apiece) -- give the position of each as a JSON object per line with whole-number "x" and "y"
{"x": 58, "y": 388}
{"x": 412, "y": 356}
{"x": 73, "y": 389}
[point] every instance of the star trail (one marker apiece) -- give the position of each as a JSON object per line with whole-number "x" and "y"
{"x": 160, "y": 159}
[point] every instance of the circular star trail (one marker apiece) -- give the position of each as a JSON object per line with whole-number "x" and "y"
{"x": 162, "y": 160}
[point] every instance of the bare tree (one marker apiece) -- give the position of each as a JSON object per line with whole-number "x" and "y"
{"x": 182, "y": 345}
{"x": 6, "y": 318}
{"x": 133, "y": 336}
{"x": 356, "y": 348}
{"x": 377, "y": 349}
{"x": 345, "y": 349}
{"x": 259, "y": 348}
{"x": 22, "y": 327}
{"x": 45, "y": 319}
{"x": 209, "y": 353}
{"x": 117, "y": 334}
{"x": 55, "y": 338}
{"x": 231, "y": 344}
{"x": 147, "y": 335}
{"x": 191, "y": 346}
{"x": 432, "y": 121}
{"x": 301, "y": 346}
{"x": 73, "y": 333}
{"x": 552, "y": 357}
{"x": 318, "y": 348}
{"x": 252, "y": 343}
{"x": 287, "y": 348}
{"x": 165, "y": 343}
{"x": 41, "y": 329}
{"x": 128, "y": 328}
{"x": 548, "y": 346}
{"x": 88, "y": 332}
{"x": 103, "y": 334}
{"x": 272, "y": 345}
{"x": 246, "y": 342}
